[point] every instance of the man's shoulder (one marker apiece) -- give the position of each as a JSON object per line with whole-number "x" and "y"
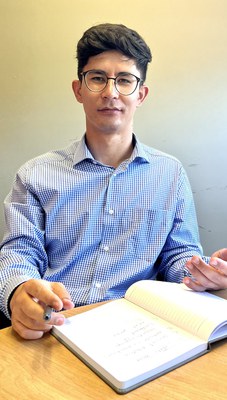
{"x": 153, "y": 154}
{"x": 52, "y": 157}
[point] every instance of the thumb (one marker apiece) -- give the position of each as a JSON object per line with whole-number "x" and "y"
{"x": 222, "y": 254}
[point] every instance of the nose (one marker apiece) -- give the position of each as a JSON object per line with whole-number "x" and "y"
{"x": 110, "y": 90}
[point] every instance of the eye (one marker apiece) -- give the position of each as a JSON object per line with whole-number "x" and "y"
{"x": 96, "y": 77}
{"x": 125, "y": 80}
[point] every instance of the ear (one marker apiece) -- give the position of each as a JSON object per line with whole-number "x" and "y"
{"x": 76, "y": 86}
{"x": 143, "y": 92}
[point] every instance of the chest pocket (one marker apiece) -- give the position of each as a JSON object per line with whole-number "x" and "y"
{"x": 147, "y": 231}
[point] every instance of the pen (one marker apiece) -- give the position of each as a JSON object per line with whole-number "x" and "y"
{"x": 47, "y": 313}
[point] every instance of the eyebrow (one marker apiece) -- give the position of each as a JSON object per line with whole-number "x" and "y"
{"x": 100, "y": 71}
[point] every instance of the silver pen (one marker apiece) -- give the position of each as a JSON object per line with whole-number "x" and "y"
{"x": 47, "y": 313}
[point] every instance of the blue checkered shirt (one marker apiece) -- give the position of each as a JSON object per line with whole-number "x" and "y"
{"x": 95, "y": 228}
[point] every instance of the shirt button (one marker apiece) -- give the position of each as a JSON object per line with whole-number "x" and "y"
{"x": 98, "y": 285}
{"x": 111, "y": 212}
{"x": 106, "y": 248}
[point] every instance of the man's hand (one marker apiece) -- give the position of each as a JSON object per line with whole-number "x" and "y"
{"x": 28, "y": 303}
{"x": 222, "y": 254}
{"x": 212, "y": 276}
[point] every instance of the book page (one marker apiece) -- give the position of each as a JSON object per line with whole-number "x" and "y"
{"x": 124, "y": 341}
{"x": 197, "y": 312}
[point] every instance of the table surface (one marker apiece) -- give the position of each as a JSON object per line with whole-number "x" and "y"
{"x": 45, "y": 369}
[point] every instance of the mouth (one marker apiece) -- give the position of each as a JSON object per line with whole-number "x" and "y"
{"x": 109, "y": 110}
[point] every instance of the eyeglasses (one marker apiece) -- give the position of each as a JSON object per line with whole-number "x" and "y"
{"x": 125, "y": 83}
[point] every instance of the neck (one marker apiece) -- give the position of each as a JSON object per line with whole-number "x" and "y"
{"x": 110, "y": 149}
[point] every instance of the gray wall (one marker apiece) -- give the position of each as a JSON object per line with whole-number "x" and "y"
{"x": 185, "y": 113}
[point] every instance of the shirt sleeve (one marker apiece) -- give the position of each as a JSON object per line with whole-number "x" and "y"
{"x": 22, "y": 254}
{"x": 183, "y": 241}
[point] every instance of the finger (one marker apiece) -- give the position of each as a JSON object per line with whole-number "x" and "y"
{"x": 22, "y": 304}
{"x": 27, "y": 309}
{"x": 68, "y": 304}
{"x": 217, "y": 254}
{"x": 204, "y": 274}
{"x": 42, "y": 290}
{"x": 28, "y": 328}
{"x": 51, "y": 317}
{"x": 59, "y": 289}
{"x": 219, "y": 265}
{"x": 222, "y": 254}
{"x": 53, "y": 294}
{"x": 23, "y": 323}
{"x": 36, "y": 319}
{"x": 207, "y": 276}
{"x": 194, "y": 285}
{"x": 29, "y": 318}
{"x": 198, "y": 268}
{"x": 30, "y": 311}
{"x": 25, "y": 332}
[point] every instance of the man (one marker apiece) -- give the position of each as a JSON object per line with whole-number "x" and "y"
{"x": 85, "y": 222}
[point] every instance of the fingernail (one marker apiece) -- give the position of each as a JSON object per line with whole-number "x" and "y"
{"x": 213, "y": 263}
{"x": 196, "y": 260}
{"x": 56, "y": 306}
{"x": 59, "y": 321}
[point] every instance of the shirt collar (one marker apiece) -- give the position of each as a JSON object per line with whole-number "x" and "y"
{"x": 139, "y": 151}
{"x": 82, "y": 152}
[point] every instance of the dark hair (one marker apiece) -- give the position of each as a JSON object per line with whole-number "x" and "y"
{"x": 104, "y": 37}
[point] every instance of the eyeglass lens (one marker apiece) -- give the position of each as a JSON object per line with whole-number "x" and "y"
{"x": 125, "y": 83}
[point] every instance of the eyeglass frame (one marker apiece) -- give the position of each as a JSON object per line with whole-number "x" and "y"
{"x": 84, "y": 73}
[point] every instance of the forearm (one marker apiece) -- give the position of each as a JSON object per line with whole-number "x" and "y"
{"x": 183, "y": 240}
{"x": 23, "y": 254}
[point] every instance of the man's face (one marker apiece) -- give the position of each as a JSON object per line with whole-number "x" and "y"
{"x": 109, "y": 111}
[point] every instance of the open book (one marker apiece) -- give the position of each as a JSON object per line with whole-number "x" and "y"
{"x": 156, "y": 327}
